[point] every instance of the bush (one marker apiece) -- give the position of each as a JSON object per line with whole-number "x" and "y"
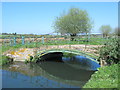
{"x": 110, "y": 51}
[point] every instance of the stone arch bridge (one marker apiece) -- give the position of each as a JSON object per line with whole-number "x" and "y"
{"x": 58, "y": 53}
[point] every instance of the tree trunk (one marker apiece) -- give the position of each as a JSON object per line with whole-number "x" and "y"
{"x": 73, "y": 36}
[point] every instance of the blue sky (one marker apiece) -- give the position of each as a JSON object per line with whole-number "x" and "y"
{"x": 38, "y": 17}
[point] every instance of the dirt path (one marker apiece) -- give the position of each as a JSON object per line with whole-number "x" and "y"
{"x": 23, "y": 53}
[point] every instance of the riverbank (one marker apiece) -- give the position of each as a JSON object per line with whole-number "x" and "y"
{"x": 4, "y": 49}
{"x": 105, "y": 77}
{"x": 3, "y": 58}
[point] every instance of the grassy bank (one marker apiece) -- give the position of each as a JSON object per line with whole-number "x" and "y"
{"x": 5, "y": 59}
{"x": 106, "y": 77}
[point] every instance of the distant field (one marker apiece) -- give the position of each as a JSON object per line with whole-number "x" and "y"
{"x": 7, "y": 36}
{"x": 18, "y": 36}
{"x": 4, "y": 35}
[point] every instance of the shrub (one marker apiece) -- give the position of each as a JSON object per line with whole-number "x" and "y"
{"x": 110, "y": 51}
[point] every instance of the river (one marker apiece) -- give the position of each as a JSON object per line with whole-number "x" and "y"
{"x": 48, "y": 74}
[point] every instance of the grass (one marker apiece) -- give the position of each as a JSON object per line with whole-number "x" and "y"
{"x": 106, "y": 77}
{"x": 4, "y": 59}
{"x": 92, "y": 41}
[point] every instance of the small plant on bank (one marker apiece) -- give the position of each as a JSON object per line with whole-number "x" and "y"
{"x": 34, "y": 59}
{"x": 6, "y": 60}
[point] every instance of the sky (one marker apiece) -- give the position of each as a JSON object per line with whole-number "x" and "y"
{"x": 38, "y": 17}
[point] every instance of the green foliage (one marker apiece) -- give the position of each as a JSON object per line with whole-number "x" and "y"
{"x": 106, "y": 77}
{"x": 31, "y": 57}
{"x": 105, "y": 30}
{"x": 117, "y": 31}
{"x": 5, "y": 60}
{"x": 110, "y": 51}
{"x": 74, "y": 22}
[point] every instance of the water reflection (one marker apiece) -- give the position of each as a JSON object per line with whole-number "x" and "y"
{"x": 81, "y": 62}
{"x": 36, "y": 78}
{"x": 49, "y": 74}
{"x": 23, "y": 81}
{"x": 65, "y": 71}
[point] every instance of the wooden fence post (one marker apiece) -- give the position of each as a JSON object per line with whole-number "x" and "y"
{"x": 43, "y": 40}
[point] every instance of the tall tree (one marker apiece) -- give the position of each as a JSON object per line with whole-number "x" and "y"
{"x": 73, "y": 22}
{"x": 105, "y": 30}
